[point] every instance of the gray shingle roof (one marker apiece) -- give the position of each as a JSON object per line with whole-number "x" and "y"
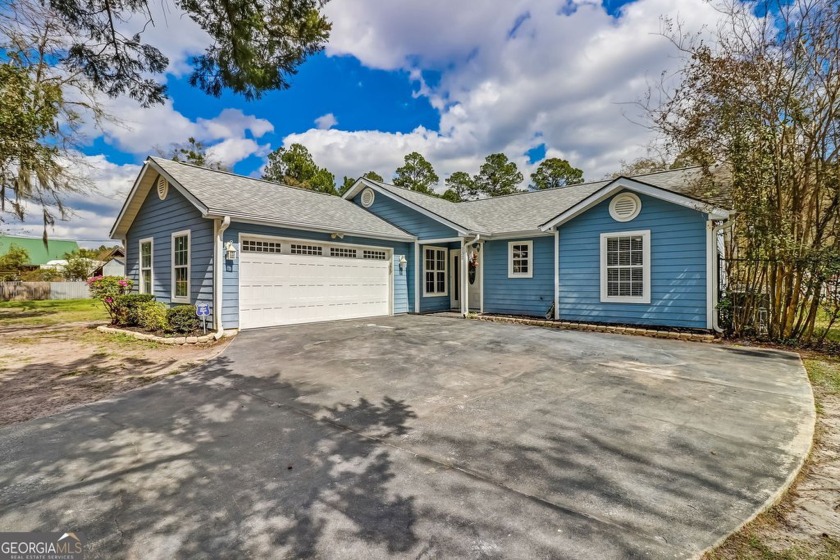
{"x": 527, "y": 211}
{"x": 226, "y": 193}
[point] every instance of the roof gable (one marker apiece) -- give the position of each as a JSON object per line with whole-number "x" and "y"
{"x": 626, "y": 183}
{"x": 219, "y": 193}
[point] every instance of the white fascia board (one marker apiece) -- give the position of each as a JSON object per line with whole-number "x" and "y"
{"x": 362, "y": 182}
{"x": 131, "y": 194}
{"x": 624, "y": 183}
{"x": 181, "y": 189}
{"x": 308, "y": 227}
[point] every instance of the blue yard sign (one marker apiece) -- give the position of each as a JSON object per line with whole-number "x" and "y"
{"x": 203, "y": 311}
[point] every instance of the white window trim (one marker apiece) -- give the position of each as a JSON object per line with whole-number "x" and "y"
{"x": 645, "y": 297}
{"x": 530, "y": 273}
{"x": 185, "y": 233}
{"x": 151, "y": 242}
{"x": 445, "y": 292}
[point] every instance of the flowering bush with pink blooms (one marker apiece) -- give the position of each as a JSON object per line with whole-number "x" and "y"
{"x": 107, "y": 289}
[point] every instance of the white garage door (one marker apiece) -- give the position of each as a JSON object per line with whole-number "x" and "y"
{"x": 284, "y": 282}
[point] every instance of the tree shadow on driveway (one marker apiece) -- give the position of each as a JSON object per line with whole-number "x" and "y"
{"x": 199, "y": 466}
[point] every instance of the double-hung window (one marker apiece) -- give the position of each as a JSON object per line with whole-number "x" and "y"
{"x": 625, "y": 267}
{"x": 435, "y": 260}
{"x": 521, "y": 259}
{"x": 146, "y": 263}
{"x": 181, "y": 267}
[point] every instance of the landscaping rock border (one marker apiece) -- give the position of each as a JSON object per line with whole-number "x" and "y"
{"x": 613, "y": 329}
{"x": 210, "y": 337}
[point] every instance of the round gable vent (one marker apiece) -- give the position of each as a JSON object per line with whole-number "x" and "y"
{"x": 625, "y": 206}
{"x": 162, "y": 187}
{"x": 367, "y": 197}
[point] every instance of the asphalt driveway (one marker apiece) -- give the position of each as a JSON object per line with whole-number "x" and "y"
{"x": 420, "y": 437}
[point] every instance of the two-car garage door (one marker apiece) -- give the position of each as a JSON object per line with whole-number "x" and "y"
{"x": 284, "y": 282}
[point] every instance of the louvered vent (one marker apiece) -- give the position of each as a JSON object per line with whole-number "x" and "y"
{"x": 367, "y": 197}
{"x": 625, "y": 207}
{"x": 162, "y": 187}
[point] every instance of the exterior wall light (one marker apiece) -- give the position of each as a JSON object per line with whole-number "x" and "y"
{"x": 230, "y": 251}
{"x": 403, "y": 262}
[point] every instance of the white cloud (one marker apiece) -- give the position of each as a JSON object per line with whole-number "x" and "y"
{"x": 92, "y": 213}
{"x": 511, "y": 76}
{"x": 170, "y": 30}
{"x": 228, "y": 152}
{"x": 326, "y": 122}
{"x": 142, "y": 131}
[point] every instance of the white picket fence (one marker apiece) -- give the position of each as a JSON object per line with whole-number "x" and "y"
{"x": 43, "y": 290}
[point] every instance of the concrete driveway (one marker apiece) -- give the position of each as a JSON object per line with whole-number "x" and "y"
{"x": 420, "y": 437}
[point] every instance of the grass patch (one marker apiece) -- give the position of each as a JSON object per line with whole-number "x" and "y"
{"x": 117, "y": 340}
{"x": 767, "y": 538}
{"x": 44, "y": 313}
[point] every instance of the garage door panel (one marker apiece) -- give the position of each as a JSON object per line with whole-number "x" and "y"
{"x": 282, "y": 289}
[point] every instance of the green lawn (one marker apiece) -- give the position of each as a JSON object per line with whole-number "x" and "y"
{"x": 50, "y": 312}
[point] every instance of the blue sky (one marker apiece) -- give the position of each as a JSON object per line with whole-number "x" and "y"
{"x": 454, "y": 81}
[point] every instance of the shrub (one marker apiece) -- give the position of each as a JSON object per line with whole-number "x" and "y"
{"x": 151, "y": 315}
{"x": 107, "y": 289}
{"x": 126, "y": 307}
{"x": 182, "y": 319}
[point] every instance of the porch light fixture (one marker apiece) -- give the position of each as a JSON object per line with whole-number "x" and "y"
{"x": 230, "y": 251}
{"x": 403, "y": 262}
{"x": 336, "y": 236}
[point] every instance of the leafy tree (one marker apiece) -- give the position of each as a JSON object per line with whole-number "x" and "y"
{"x": 555, "y": 172}
{"x": 348, "y": 182}
{"x": 460, "y": 187}
{"x": 295, "y": 167}
{"x": 80, "y": 264}
{"x": 373, "y": 176}
{"x": 40, "y": 107}
{"x": 256, "y": 45}
{"x": 417, "y": 174}
{"x": 13, "y": 263}
{"x": 765, "y": 99}
{"x": 498, "y": 176}
{"x": 194, "y": 152}
{"x": 650, "y": 164}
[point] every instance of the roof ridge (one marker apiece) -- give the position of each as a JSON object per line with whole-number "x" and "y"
{"x": 536, "y": 191}
{"x": 240, "y": 176}
{"x": 433, "y": 196}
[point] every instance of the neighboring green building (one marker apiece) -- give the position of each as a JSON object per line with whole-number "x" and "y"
{"x": 38, "y": 252}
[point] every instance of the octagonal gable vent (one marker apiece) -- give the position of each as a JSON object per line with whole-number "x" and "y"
{"x": 367, "y": 197}
{"x": 162, "y": 187}
{"x": 625, "y": 206}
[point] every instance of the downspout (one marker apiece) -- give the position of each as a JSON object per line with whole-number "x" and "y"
{"x": 465, "y": 296}
{"x": 218, "y": 270}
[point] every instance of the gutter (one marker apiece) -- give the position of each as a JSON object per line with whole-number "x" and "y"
{"x": 218, "y": 271}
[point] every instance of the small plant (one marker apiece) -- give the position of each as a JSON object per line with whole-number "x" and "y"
{"x": 151, "y": 315}
{"x": 126, "y": 307}
{"x": 182, "y": 319}
{"x": 107, "y": 289}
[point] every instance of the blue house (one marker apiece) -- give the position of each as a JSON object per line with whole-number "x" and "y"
{"x": 634, "y": 251}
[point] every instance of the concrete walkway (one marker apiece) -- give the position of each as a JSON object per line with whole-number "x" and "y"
{"x": 420, "y": 437}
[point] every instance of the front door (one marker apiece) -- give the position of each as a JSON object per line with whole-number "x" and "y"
{"x": 473, "y": 279}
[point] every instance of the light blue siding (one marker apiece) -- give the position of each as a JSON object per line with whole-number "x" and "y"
{"x": 678, "y": 267}
{"x": 518, "y": 296}
{"x": 403, "y": 279}
{"x": 407, "y": 219}
{"x": 158, "y": 219}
